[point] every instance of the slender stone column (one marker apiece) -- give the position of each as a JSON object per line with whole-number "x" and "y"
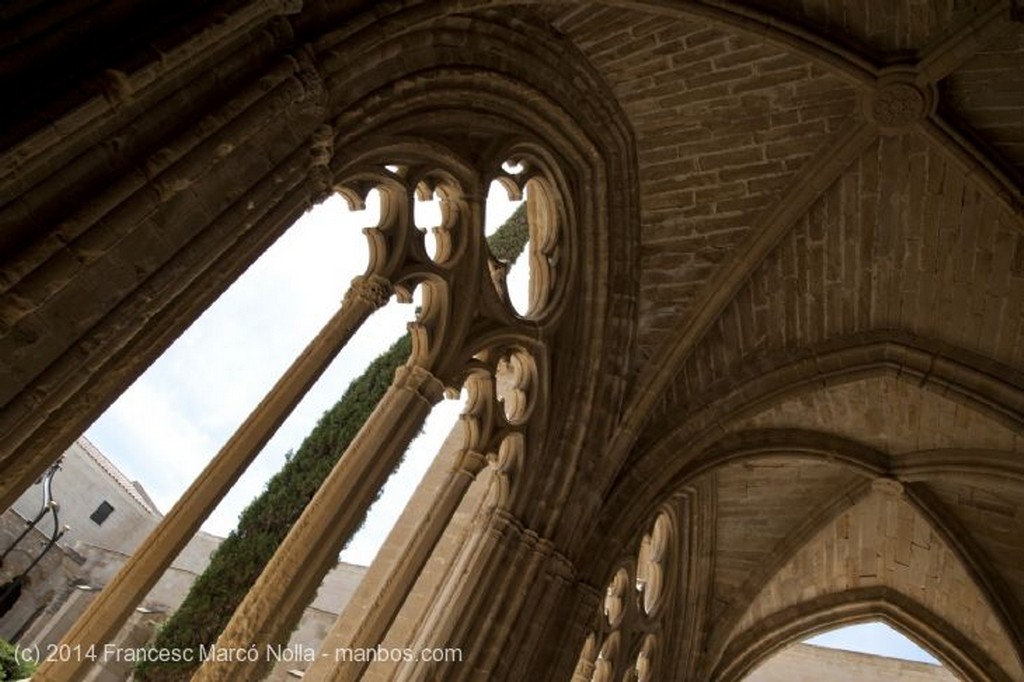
{"x": 516, "y": 584}
{"x": 568, "y": 643}
{"x": 397, "y": 579}
{"x": 114, "y": 605}
{"x": 506, "y": 578}
{"x": 494, "y": 544}
{"x": 435, "y": 629}
{"x": 272, "y": 607}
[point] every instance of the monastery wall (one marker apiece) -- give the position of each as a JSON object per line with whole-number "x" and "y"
{"x": 807, "y": 663}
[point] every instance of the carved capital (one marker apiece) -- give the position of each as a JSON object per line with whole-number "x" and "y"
{"x": 321, "y": 145}
{"x": 470, "y": 462}
{"x": 421, "y": 382}
{"x": 503, "y": 524}
{"x": 371, "y": 289}
{"x": 561, "y": 566}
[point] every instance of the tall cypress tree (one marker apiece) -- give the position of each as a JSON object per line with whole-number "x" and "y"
{"x": 263, "y": 525}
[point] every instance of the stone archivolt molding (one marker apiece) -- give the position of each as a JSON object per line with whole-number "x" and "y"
{"x": 854, "y": 606}
{"x": 957, "y": 375}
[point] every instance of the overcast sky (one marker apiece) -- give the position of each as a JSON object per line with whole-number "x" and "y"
{"x": 176, "y": 416}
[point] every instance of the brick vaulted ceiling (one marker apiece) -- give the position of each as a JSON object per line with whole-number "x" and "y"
{"x": 728, "y": 120}
{"x": 783, "y": 221}
{"x": 723, "y": 121}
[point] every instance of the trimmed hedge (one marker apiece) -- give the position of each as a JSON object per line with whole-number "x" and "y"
{"x": 13, "y": 666}
{"x": 508, "y": 241}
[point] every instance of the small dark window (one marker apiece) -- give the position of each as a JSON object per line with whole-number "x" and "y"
{"x": 102, "y": 512}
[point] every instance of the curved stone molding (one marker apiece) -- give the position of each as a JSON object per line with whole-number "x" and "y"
{"x": 854, "y": 606}
{"x": 373, "y": 290}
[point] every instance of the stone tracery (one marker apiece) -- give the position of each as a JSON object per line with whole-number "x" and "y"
{"x": 634, "y": 613}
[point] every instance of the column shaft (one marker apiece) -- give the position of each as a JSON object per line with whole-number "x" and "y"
{"x": 108, "y": 613}
{"x": 352, "y": 632}
{"x": 272, "y": 607}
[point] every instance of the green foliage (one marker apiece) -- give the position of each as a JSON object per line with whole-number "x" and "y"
{"x": 510, "y": 239}
{"x": 12, "y": 665}
{"x": 236, "y": 564}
